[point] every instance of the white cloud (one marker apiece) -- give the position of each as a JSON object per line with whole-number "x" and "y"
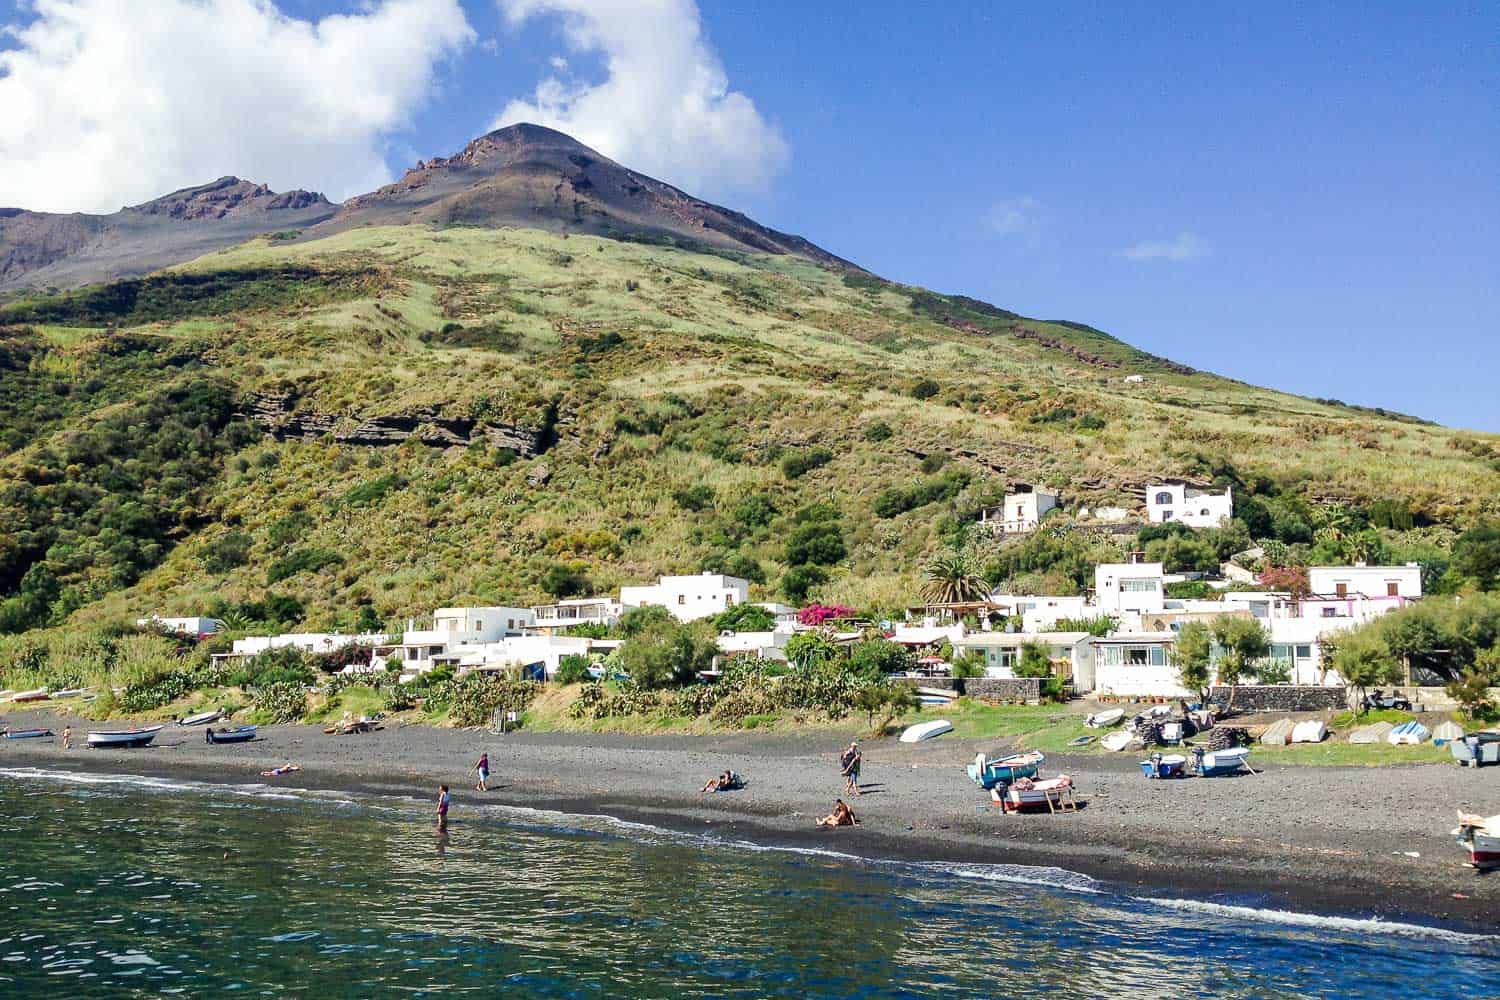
{"x": 664, "y": 105}
{"x": 1016, "y": 217}
{"x": 1185, "y": 246}
{"x": 112, "y": 102}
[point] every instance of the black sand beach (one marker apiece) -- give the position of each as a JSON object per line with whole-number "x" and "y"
{"x": 1333, "y": 840}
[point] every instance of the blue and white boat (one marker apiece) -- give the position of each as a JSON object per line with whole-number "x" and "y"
{"x": 1408, "y": 734}
{"x": 1004, "y": 771}
{"x": 1217, "y": 763}
{"x": 1477, "y": 749}
{"x": 26, "y": 734}
{"x": 1172, "y": 765}
{"x": 239, "y": 734}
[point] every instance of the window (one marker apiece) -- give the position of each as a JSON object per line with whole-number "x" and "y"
{"x": 479, "y": 625}
{"x": 1341, "y": 588}
{"x": 1204, "y": 512}
{"x": 1304, "y": 652}
{"x": 1137, "y": 586}
{"x": 1135, "y": 656}
{"x": 1158, "y": 656}
{"x": 1166, "y": 515}
{"x": 1392, "y": 588}
{"x": 728, "y": 599}
{"x": 1164, "y": 498}
{"x": 681, "y": 598}
{"x": 1330, "y": 612}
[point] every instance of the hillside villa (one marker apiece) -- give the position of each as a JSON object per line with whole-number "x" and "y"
{"x": 1070, "y": 652}
{"x": 1022, "y": 511}
{"x": 601, "y": 611}
{"x": 193, "y": 628}
{"x": 690, "y": 598}
{"x": 1194, "y": 508}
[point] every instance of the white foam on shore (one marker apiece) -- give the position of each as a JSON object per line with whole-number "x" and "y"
{"x": 143, "y": 783}
{"x": 1293, "y": 918}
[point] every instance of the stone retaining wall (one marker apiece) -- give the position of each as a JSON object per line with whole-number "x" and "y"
{"x": 1284, "y": 698}
{"x": 1026, "y": 689}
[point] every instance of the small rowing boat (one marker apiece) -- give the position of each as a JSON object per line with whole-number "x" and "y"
{"x": 1217, "y": 763}
{"x": 1310, "y": 731}
{"x": 988, "y": 773}
{"x": 40, "y": 694}
{"x": 26, "y": 734}
{"x": 1054, "y": 795}
{"x": 69, "y": 693}
{"x": 121, "y": 738}
{"x": 239, "y": 734}
{"x": 202, "y": 718}
{"x": 923, "y": 731}
{"x": 1105, "y": 719}
{"x": 1117, "y": 740}
{"x": 1408, "y": 734}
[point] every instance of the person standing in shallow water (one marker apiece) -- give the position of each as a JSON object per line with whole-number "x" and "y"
{"x": 442, "y": 809}
{"x": 849, "y": 763}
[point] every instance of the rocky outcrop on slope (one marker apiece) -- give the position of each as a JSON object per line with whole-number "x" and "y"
{"x": 279, "y": 415}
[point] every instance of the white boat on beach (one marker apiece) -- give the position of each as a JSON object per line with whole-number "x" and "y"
{"x": 1311, "y": 731}
{"x": 124, "y": 737}
{"x": 39, "y": 694}
{"x": 1105, "y": 719}
{"x": 1445, "y": 733}
{"x": 1279, "y": 734}
{"x": 1375, "y": 732}
{"x": 1117, "y": 740}
{"x": 1408, "y": 734}
{"x": 69, "y": 693}
{"x": 926, "y": 731}
{"x": 202, "y": 718}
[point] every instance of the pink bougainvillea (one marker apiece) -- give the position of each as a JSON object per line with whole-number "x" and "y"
{"x": 1292, "y": 579}
{"x": 822, "y": 614}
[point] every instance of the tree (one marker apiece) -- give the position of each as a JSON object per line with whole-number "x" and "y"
{"x": 573, "y": 669}
{"x": 890, "y": 700}
{"x": 745, "y": 618}
{"x": 565, "y": 580}
{"x": 666, "y": 653}
{"x": 798, "y": 581}
{"x": 1097, "y": 626}
{"x": 818, "y": 544}
{"x": 1243, "y": 642}
{"x": 1034, "y": 661}
{"x": 1194, "y": 657}
{"x": 694, "y": 498}
{"x": 810, "y": 650}
{"x": 637, "y": 620}
{"x": 874, "y": 659}
{"x": 950, "y": 578}
{"x": 1364, "y": 661}
{"x": 1472, "y": 690}
{"x": 968, "y": 664}
{"x": 1476, "y": 555}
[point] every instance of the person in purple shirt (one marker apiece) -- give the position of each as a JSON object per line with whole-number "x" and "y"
{"x": 442, "y": 808}
{"x": 483, "y": 770}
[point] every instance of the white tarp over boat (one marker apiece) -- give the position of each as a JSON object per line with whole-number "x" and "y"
{"x": 1311, "y": 731}
{"x": 926, "y": 730}
{"x": 1376, "y": 732}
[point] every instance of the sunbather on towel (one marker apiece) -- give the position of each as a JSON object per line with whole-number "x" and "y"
{"x": 842, "y": 815}
{"x": 278, "y": 771}
{"x": 726, "y": 782}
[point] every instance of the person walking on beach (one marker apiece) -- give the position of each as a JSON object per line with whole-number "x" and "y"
{"x": 442, "y": 809}
{"x": 67, "y": 741}
{"x": 483, "y": 770}
{"x": 849, "y": 767}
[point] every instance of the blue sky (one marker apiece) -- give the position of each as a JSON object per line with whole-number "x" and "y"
{"x": 1303, "y": 196}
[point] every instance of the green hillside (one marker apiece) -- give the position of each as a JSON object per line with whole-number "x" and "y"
{"x": 570, "y": 414}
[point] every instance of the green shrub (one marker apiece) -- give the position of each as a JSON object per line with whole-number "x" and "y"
{"x": 694, "y": 498}
{"x": 227, "y": 552}
{"x": 925, "y": 389}
{"x": 474, "y": 699}
{"x": 565, "y": 580}
{"x": 573, "y": 669}
{"x": 281, "y": 702}
{"x": 301, "y": 561}
{"x": 878, "y": 431}
{"x": 800, "y": 463}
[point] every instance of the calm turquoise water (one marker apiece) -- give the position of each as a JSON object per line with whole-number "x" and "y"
{"x": 117, "y": 888}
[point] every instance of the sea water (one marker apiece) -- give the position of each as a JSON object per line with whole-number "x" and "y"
{"x": 116, "y": 886}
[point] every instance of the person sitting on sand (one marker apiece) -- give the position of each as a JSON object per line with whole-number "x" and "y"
{"x": 726, "y": 782}
{"x": 278, "y": 771}
{"x": 842, "y": 815}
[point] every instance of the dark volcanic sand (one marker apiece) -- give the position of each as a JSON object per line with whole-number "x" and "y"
{"x": 1321, "y": 839}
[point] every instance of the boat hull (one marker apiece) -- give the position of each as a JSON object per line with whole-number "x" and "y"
{"x": 1223, "y": 762}
{"x": 243, "y": 734}
{"x": 202, "y": 719}
{"x": 27, "y": 734}
{"x": 1483, "y": 848}
{"x": 123, "y": 740}
{"x": 1476, "y": 750}
{"x": 1039, "y": 796}
{"x": 1006, "y": 770}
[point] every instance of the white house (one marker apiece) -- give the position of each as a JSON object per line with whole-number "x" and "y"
{"x": 536, "y": 655}
{"x": 1371, "y": 582}
{"x": 1136, "y": 664}
{"x": 1129, "y": 588}
{"x": 689, "y": 597}
{"x": 1194, "y": 508}
{"x": 761, "y": 645}
{"x": 1070, "y": 652}
{"x": 1022, "y": 511}
{"x": 452, "y": 631}
{"x": 307, "y": 642}
{"x": 603, "y": 611}
{"x": 197, "y": 627}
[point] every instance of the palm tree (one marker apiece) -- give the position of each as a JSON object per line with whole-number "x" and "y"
{"x": 951, "y": 579}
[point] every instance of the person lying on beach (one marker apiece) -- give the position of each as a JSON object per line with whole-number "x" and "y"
{"x": 278, "y": 771}
{"x": 726, "y": 782}
{"x": 842, "y": 815}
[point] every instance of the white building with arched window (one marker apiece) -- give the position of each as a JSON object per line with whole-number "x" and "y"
{"x": 1194, "y": 508}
